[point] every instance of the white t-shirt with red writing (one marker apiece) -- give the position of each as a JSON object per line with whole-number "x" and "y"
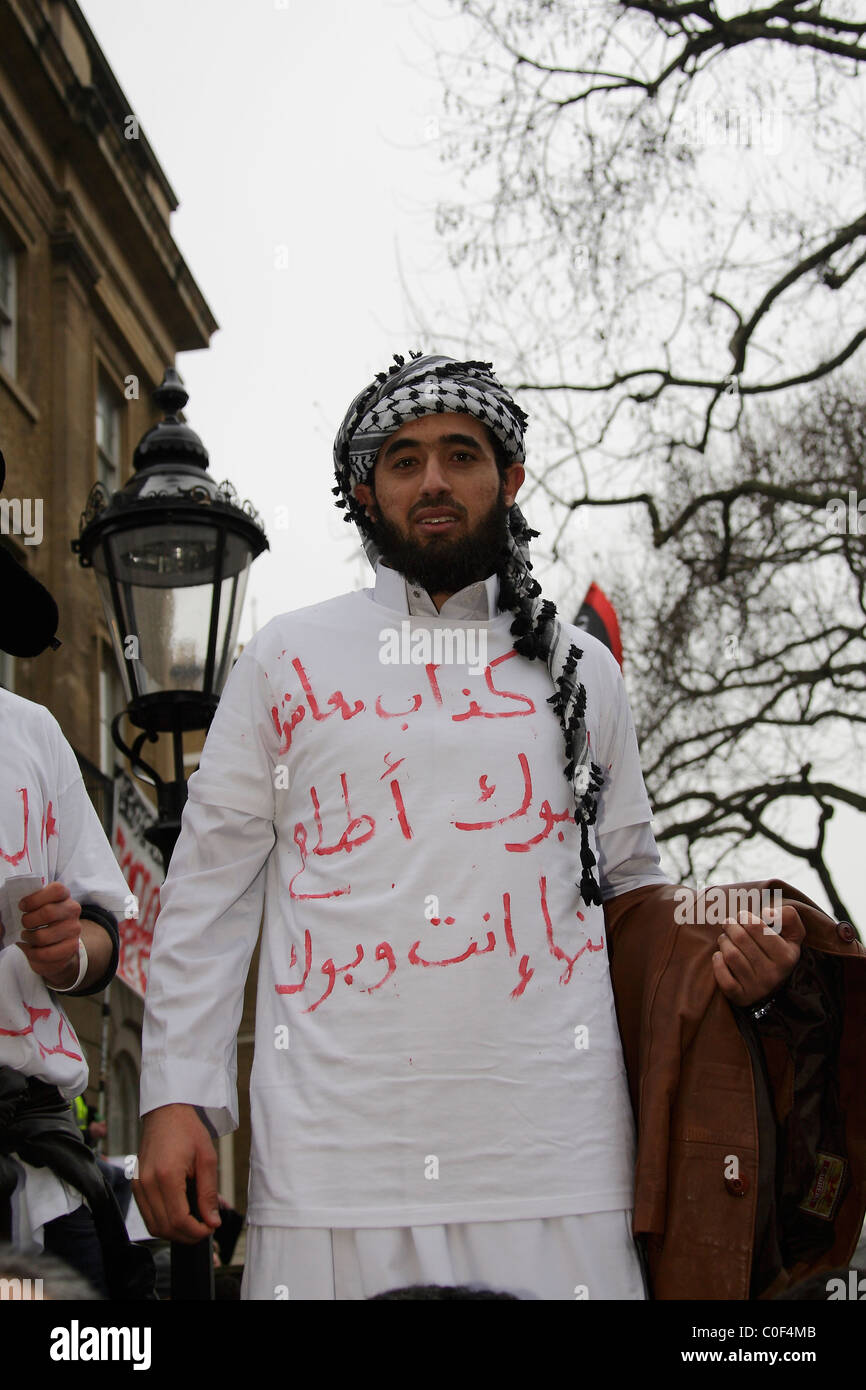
{"x": 436, "y": 1039}
{"x": 49, "y": 829}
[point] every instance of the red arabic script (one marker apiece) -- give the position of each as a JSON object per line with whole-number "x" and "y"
{"x": 414, "y": 957}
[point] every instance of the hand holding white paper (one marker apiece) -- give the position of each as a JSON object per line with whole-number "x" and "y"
{"x": 16, "y": 887}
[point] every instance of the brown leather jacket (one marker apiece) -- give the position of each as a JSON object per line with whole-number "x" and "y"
{"x": 751, "y": 1157}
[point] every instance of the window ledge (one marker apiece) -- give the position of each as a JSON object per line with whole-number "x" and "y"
{"x": 19, "y": 395}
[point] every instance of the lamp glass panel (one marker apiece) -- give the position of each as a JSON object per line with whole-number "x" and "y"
{"x": 170, "y": 555}
{"x": 124, "y": 652}
{"x": 165, "y": 578}
{"x": 232, "y": 593}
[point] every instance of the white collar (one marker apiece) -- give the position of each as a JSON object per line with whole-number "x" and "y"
{"x": 479, "y": 600}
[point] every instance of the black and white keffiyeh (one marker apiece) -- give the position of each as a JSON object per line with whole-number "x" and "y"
{"x": 429, "y": 385}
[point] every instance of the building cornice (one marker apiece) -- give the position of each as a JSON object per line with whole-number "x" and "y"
{"x": 84, "y": 123}
{"x": 67, "y": 248}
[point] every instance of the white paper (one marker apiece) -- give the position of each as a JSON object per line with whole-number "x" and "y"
{"x": 16, "y": 887}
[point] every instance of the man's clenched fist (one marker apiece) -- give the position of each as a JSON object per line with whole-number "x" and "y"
{"x": 175, "y": 1146}
{"x": 51, "y": 931}
{"x": 755, "y": 956}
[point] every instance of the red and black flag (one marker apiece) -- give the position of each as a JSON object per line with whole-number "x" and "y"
{"x": 597, "y": 616}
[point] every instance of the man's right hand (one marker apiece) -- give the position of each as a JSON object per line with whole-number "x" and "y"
{"x": 175, "y": 1146}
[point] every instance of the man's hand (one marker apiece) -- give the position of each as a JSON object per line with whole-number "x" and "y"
{"x": 175, "y": 1146}
{"x": 753, "y": 961}
{"x": 51, "y": 931}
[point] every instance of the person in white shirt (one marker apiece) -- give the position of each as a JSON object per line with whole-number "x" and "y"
{"x": 61, "y": 892}
{"x": 53, "y": 847}
{"x": 51, "y": 840}
{"x": 427, "y": 820}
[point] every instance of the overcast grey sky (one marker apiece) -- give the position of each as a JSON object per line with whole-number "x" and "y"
{"x": 301, "y": 139}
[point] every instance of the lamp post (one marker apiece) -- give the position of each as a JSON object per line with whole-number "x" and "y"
{"x": 172, "y": 552}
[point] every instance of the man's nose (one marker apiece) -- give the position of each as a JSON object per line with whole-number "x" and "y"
{"x": 434, "y": 478}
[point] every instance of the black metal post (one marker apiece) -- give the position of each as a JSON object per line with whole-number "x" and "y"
{"x": 169, "y": 512}
{"x": 192, "y": 1277}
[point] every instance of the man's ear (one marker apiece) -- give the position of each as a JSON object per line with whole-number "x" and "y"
{"x": 515, "y": 474}
{"x": 365, "y": 495}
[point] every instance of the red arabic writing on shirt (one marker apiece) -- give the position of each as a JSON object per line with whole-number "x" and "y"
{"x": 38, "y": 1016}
{"x": 359, "y": 829}
{"x": 310, "y": 702}
{"x": 18, "y": 855}
{"x": 385, "y": 951}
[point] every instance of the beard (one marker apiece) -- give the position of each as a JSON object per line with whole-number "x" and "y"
{"x": 443, "y": 565}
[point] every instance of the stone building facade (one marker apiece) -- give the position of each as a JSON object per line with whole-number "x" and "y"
{"x": 95, "y": 301}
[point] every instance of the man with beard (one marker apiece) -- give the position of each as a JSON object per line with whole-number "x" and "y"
{"x": 438, "y": 1094}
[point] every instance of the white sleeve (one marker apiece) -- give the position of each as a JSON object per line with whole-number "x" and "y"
{"x": 628, "y": 858}
{"x": 211, "y": 909}
{"x": 623, "y": 799}
{"x": 79, "y": 854}
{"x": 627, "y": 854}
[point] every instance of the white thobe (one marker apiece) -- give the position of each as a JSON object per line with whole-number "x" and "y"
{"x": 563, "y": 1257}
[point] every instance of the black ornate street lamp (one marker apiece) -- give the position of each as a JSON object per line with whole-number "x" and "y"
{"x": 172, "y": 552}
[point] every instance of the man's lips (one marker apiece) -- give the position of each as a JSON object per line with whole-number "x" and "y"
{"x": 437, "y": 521}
